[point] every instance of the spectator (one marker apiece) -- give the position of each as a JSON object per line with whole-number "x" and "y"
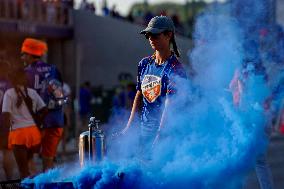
{"x": 119, "y": 99}
{"x": 8, "y": 163}
{"x": 68, "y": 3}
{"x": 139, "y": 16}
{"x": 105, "y": 8}
{"x": 114, "y": 13}
{"x": 238, "y": 88}
{"x": 131, "y": 92}
{"x": 51, "y": 12}
{"x": 147, "y": 17}
{"x": 124, "y": 92}
{"x": 46, "y": 80}
{"x": 87, "y": 6}
{"x": 85, "y": 110}
{"x": 66, "y": 6}
{"x": 26, "y": 9}
{"x": 130, "y": 17}
{"x": 91, "y": 7}
{"x": 83, "y": 5}
{"x": 276, "y": 101}
{"x": 25, "y": 136}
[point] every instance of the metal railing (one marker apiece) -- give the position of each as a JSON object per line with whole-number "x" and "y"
{"x": 51, "y": 12}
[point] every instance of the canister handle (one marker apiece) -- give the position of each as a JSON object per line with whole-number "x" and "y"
{"x": 91, "y": 125}
{"x": 97, "y": 124}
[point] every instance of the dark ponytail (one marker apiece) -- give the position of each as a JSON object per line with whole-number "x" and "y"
{"x": 176, "y": 51}
{"x": 19, "y": 97}
{"x": 18, "y": 79}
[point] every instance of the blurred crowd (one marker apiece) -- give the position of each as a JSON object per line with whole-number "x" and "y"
{"x": 50, "y": 11}
{"x": 140, "y": 16}
{"x": 267, "y": 55}
{"x": 58, "y": 12}
{"x": 102, "y": 103}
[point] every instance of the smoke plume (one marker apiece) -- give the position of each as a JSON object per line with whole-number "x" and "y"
{"x": 207, "y": 142}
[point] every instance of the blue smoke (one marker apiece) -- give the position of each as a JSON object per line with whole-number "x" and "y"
{"x": 207, "y": 142}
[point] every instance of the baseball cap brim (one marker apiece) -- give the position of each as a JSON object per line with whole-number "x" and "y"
{"x": 152, "y": 30}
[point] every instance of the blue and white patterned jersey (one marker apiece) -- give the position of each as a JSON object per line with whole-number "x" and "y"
{"x": 156, "y": 82}
{"x": 39, "y": 74}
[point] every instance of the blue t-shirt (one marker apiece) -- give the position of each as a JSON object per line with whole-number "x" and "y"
{"x": 156, "y": 82}
{"x": 38, "y": 74}
{"x": 85, "y": 97}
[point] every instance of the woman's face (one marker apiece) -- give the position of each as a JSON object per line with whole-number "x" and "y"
{"x": 159, "y": 41}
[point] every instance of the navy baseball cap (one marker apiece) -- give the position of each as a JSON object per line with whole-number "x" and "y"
{"x": 159, "y": 24}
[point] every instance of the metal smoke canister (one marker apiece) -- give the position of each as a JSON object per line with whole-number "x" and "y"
{"x": 92, "y": 143}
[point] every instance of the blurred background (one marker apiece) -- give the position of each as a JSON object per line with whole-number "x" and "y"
{"x": 93, "y": 42}
{"x": 96, "y": 43}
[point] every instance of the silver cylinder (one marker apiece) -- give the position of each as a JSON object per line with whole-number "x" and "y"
{"x": 98, "y": 147}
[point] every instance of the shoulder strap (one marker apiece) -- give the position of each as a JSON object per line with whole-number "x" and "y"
{"x": 28, "y": 102}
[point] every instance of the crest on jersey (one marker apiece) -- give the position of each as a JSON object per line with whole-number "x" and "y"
{"x": 151, "y": 87}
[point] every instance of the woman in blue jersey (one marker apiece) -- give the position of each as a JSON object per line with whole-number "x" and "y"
{"x": 155, "y": 80}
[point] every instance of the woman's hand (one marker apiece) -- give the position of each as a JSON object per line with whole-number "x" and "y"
{"x": 119, "y": 133}
{"x": 134, "y": 109}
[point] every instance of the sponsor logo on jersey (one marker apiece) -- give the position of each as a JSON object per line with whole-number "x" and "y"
{"x": 151, "y": 87}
